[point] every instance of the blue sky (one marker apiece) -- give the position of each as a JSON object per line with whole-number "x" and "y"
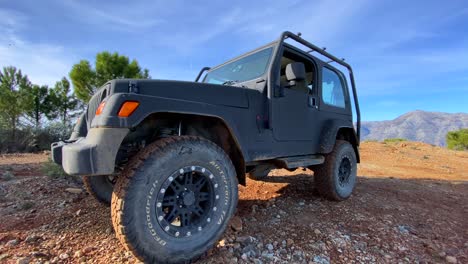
{"x": 406, "y": 55}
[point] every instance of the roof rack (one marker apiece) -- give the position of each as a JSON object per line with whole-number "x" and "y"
{"x": 287, "y": 34}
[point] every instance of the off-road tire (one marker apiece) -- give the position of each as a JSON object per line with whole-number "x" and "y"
{"x": 100, "y": 187}
{"x": 327, "y": 176}
{"x": 135, "y": 200}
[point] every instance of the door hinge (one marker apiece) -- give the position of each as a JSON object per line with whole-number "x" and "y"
{"x": 133, "y": 87}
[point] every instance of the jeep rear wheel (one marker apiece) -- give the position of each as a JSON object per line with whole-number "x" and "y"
{"x": 336, "y": 177}
{"x": 100, "y": 187}
{"x": 174, "y": 200}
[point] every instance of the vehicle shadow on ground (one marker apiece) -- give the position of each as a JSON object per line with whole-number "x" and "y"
{"x": 300, "y": 188}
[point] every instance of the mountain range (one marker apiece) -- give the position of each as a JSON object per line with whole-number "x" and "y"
{"x": 428, "y": 127}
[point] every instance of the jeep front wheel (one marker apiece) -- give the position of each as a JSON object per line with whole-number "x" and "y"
{"x": 336, "y": 177}
{"x": 174, "y": 200}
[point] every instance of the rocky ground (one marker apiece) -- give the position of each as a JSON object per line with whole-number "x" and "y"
{"x": 410, "y": 205}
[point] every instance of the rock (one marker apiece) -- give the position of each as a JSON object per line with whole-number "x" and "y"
{"x": 290, "y": 242}
{"x": 236, "y": 223}
{"x": 24, "y": 260}
{"x": 317, "y": 232}
{"x": 339, "y": 242}
{"x": 450, "y": 259}
{"x": 78, "y": 254}
{"x": 234, "y": 260}
{"x": 267, "y": 255}
{"x": 74, "y": 190}
{"x": 63, "y": 256}
{"x": 87, "y": 250}
{"x": 244, "y": 256}
{"x": 250, "y": 250}
{"x": 32, "y": 239}
{"x": 78, "y": 213}
{"x": 245, "y": 240}
{"x": 257, "y": 261}
{"x": 298, "y": 255}
{"x": 38, "y": 254}
{"x": 254, "y": 208}
{"x": 321, "y": 260}
{"x": 361, "y": 245}
{"x": 403, "y": 229}
{"x": 222, "y": 243}
{"x": 12, "y": 243}
{"x": 4, "y": 256}
{"x": 269, "y": 247}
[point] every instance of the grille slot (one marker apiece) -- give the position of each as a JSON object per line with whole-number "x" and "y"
{"x": 93, "y": 104}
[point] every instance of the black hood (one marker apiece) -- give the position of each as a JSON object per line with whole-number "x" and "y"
{"x": 189, "y": 91}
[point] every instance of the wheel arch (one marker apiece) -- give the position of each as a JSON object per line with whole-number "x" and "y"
{"x": 333, "y": 131}
{"x": 213, "y": 128}
{"x": 348, "y": 134}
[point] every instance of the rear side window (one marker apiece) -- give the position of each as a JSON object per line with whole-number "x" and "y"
{"x": 332, "y": 89}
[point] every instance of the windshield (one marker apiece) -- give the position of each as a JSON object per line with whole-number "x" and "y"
{"x": 247, "y": 68}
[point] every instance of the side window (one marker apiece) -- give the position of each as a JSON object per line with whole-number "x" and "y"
{"x": 305, "y": 86}
{"x": 332, "y": 88}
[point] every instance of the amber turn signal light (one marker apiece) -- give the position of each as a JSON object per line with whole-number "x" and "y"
{"x": 100, "y": 107}
{"x": 128, "y": 108}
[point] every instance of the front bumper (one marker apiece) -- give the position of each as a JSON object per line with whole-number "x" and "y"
{"x": 91, "y": 155}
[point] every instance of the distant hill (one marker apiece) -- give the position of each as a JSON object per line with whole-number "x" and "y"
{"x": 428, "y": 127}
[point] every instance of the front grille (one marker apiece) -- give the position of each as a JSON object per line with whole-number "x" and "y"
{"x": 94, "y": 104}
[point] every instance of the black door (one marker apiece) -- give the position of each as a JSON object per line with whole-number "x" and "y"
{"x": 295, "y": 113}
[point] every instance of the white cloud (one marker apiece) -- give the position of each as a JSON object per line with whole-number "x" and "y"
{"x": 43, "y": 63}
{"x": 117, "y": 17}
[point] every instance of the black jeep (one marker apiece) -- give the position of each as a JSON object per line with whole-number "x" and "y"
{"x": 168, "y": 155}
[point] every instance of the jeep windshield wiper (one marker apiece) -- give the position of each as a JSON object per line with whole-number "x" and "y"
{"x": 230, "y": 82}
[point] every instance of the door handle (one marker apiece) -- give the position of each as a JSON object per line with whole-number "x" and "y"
{"x": 312, "y": 102}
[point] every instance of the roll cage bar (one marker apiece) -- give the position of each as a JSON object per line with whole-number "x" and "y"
{"x": 297, "y": 37}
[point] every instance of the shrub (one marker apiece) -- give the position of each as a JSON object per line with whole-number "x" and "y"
{"x": 458, "y": 140}
{"x": 53, "y": 170}
{"x": 26, "y": 205}
{"x": 33, "y": 139}
{"x": 391, "y": 140}
{"x": 8, "y": 175}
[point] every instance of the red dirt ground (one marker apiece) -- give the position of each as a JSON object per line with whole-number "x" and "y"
{"x": 410, "y": 205}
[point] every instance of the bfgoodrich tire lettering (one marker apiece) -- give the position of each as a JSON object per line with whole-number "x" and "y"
{"x": 336, "y": 177}
{"x": 143, "y": 200}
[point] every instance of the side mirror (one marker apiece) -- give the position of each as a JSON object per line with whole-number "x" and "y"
{"x": 295, "y": 71}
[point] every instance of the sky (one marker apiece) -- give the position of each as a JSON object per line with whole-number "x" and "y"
{"x": 406, "y": 55}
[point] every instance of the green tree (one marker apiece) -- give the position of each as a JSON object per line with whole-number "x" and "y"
{"x": 62, "y": 101}
{"x": 108, "y": 66}
{"x": 458, "y": 140}
{"x": 15, "y": 96}
{"x": 41, "y": 104}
